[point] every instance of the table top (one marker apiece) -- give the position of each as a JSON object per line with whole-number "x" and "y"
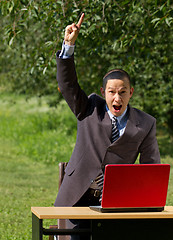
{"x": 87, "y": 213}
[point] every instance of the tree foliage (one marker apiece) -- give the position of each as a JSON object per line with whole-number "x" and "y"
{"x": 134, "y": 35}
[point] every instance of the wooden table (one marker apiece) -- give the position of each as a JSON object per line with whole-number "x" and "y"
{"x": 109, "y": 226}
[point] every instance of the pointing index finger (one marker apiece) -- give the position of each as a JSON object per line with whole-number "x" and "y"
{"x": 80, "y": 21}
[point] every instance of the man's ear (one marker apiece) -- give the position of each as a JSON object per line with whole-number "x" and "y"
{"x": 102, "y": 91}
{"x": 131, "y": 92}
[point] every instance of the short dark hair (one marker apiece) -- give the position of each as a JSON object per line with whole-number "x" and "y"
{"x": 115, "y": 74}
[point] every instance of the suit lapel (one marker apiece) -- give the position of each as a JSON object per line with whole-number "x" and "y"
{"x": 107, "y": 126}
{"x": 132, "y": 123}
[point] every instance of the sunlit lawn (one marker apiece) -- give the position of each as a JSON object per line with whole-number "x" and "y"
{"x": 33, "y": 139}
{"x": 32, "y": 143}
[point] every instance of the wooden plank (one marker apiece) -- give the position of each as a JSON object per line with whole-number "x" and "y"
{"x": 87, "y": 213}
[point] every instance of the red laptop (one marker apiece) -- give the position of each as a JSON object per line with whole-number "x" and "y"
{"x": 134, "y": 187}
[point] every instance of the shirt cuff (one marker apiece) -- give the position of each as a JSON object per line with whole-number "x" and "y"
{"x": 67, "y": 51}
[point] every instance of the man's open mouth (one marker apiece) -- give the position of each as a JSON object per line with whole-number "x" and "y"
{"x": 117, "y": 108}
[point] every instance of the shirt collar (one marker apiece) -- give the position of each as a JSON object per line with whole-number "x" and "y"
{"x": 119, "y": 118}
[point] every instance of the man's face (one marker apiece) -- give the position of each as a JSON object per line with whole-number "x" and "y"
{"x": 117, "y": 95}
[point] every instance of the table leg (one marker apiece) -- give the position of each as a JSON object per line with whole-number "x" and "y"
{"x": 132, "y": 229}
{"x": 37, "y": 228}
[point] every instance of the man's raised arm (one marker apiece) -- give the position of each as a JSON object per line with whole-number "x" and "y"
{"x": 66, "y": 73}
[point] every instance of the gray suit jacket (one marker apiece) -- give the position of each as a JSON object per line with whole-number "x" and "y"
{"x": 93, "y": 149}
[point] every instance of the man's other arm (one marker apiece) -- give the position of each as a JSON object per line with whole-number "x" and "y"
{"x": 149, "y": 150}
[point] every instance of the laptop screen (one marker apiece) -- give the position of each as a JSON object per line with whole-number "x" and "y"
{"x": 135, "y": 185}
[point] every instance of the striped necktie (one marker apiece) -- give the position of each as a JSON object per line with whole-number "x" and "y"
{"x": 115, "y": 131}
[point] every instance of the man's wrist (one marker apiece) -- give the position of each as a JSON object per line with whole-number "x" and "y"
{"x": 67, "y": 50}
{"x": 69, "y": 43}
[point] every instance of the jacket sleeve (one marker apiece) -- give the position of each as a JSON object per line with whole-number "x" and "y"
{"x": 69, "y": 87}
{"x": 149, "y": 150}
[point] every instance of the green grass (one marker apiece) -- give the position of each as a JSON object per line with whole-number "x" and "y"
{"x": 36, "y": 130}
{"x": 23, "y": 185}
{"x": 33, "y": 139}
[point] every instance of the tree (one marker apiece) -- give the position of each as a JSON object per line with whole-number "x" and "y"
{"x": 133, "y": 35}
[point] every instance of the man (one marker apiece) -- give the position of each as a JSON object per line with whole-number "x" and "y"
{"x": 100, "y": 120}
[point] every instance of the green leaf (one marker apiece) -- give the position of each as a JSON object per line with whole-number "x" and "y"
{"x": 11, "y": 41}
{"x": 155, "y": 20}
{"x": 44, "y": 70}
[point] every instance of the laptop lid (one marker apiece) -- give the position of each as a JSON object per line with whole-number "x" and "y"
{"x": 135, "y": 185}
